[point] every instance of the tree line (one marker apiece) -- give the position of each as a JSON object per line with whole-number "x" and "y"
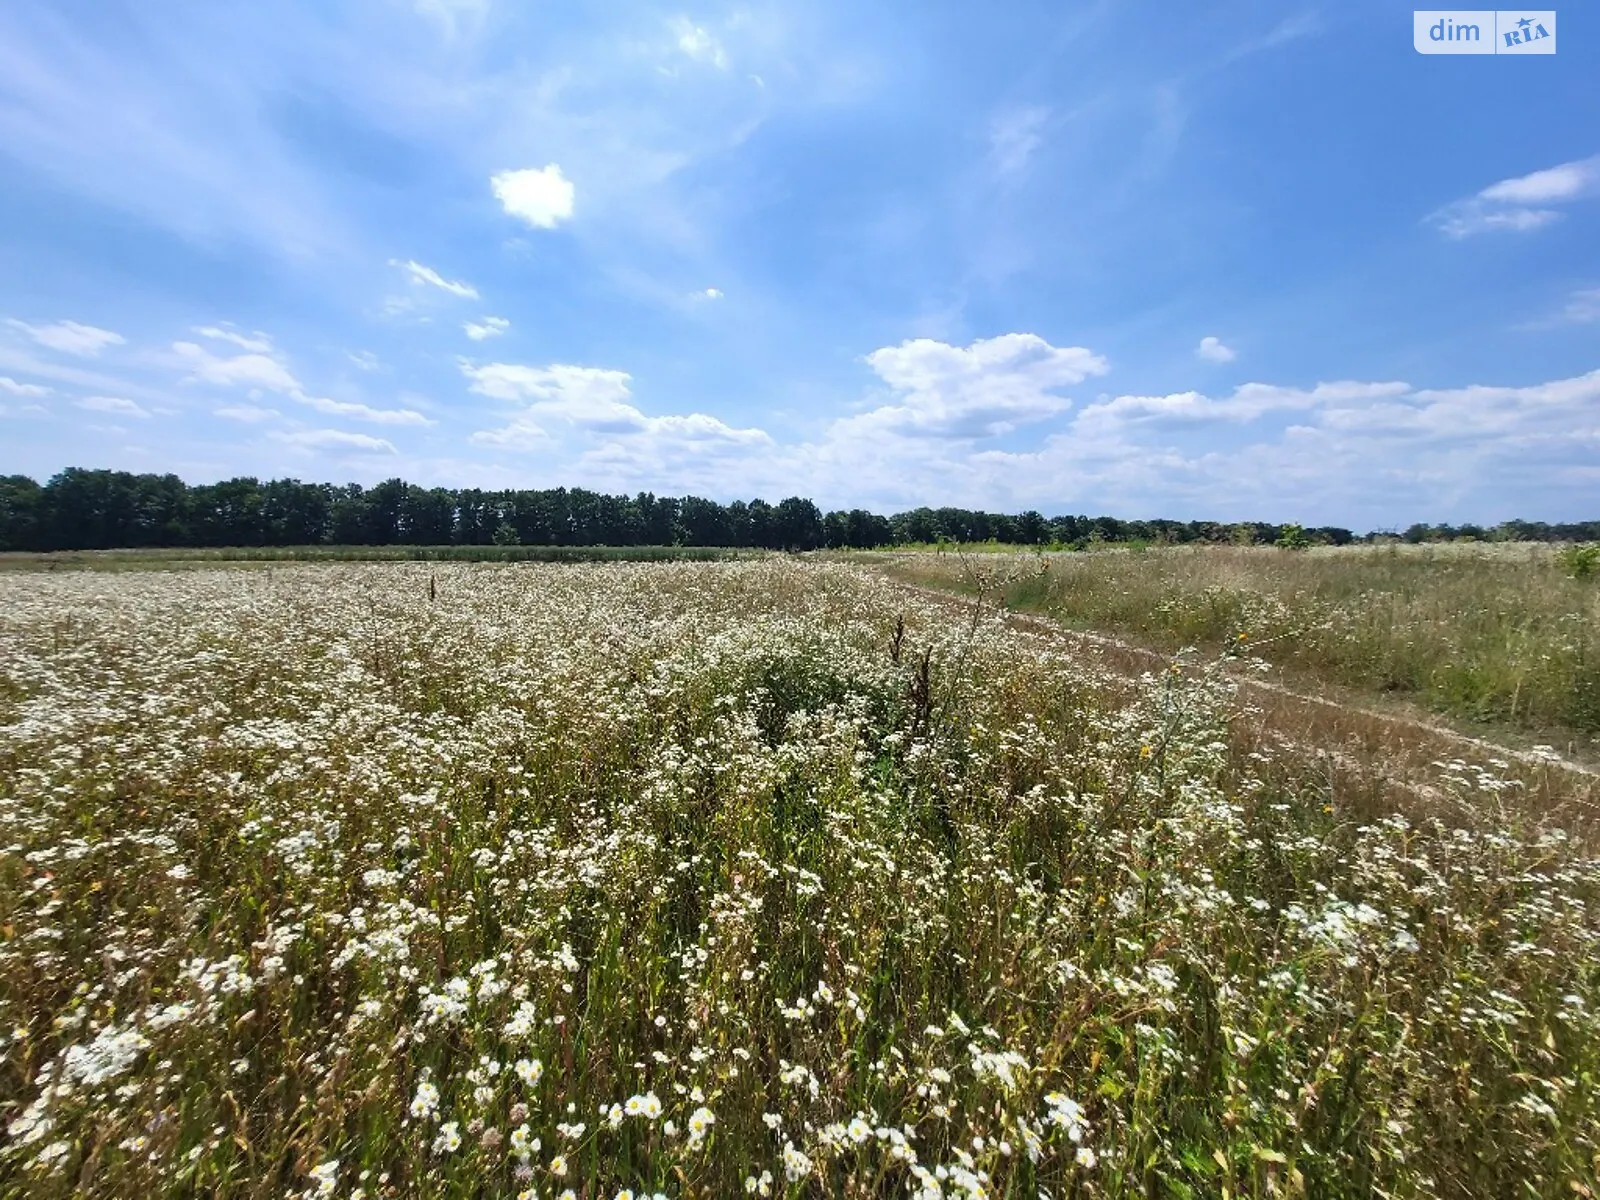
{"x": 80, "y": 509}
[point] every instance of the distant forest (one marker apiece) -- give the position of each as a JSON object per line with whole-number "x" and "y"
{"x": 103, "y": 510}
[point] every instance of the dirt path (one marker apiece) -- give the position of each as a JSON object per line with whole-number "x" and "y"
{"x": 1402, "y": 748}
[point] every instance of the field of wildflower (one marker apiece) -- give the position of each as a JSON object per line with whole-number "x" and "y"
{"x": 765, "y": 877}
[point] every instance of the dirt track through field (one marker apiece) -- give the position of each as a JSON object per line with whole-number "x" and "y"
{"x": 1401, "y": 748}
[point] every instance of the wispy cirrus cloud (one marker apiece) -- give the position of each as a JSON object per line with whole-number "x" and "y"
{"x": 116, "y": 405}
{"x": 1582, "y": 307}
{"x": 256, "y": 343}
{"x": 487, "y": 328}
{"x": 249, "y": 414}
{"x": 269, "y": 373}
{"x": 419, "y": 274}
{"x": 1014, "y": 136}
{"x": 698, "y": 44}
{"x": 70, "y": 337}
{"x": 12, "y": 387}
{"x": 335, "y": 439}
{"x": 1521, "y": 204}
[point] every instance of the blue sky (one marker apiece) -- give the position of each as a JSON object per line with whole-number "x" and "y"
{"x": 1239, "y": 260}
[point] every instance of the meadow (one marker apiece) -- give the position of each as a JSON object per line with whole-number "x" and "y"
{"x": 1500, "y": 635}
{"x": 769, "y": 877}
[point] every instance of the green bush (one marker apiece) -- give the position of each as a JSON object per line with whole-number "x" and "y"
{"x": 1580, "y": 562}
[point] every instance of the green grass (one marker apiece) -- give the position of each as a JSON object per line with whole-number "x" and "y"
{"x": 1498, "y": 634}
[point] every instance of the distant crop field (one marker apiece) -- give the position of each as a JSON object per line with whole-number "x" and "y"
{"x": 768, "y": 878}
{"x": 169, "y": 558}
{"x": 1502, "y": 634}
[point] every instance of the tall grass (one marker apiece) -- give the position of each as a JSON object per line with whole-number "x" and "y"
{"x": 712, "y": 880}
{"x": 1500, "y": 634}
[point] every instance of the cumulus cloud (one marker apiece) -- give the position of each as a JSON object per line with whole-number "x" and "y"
{"x": 487, "y": 328}
{"x": 239, "y": 370}
{"x": 1369, "y": 454}
{"x": 22, "y": 389}
{"x": 982, "y": 390}
{"x": 1522, "y": 204}
{"x": 543, "y": 198}
{"x": 421, "y": 275}
{"x": 70, "y": 337}
{"x": 1212, "y": 350}
{"x": 336, "y": 439}
{"x": 592, "y": 400}
{"x": 112, "y": 404}
{"x": 1482, "y": 412}
{"x": 711, "y": 293}
{"x": 262, "y": 372}
{"x": 698, "y": 44}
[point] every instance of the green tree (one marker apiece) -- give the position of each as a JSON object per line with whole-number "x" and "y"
{"x": 1293, "y": 537}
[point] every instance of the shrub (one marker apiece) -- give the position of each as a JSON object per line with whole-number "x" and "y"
{"x": 1580, "y": 562}
{"x": 1293, "y": 537}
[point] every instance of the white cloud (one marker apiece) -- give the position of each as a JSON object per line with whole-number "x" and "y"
{"x": 489, "y": 327}
{"x": 258, "y": 343}
{"x": 570, "y": 389}
{"x": 365, "y": 359}
{"x": 112, "y": 404}
{"x": 1520, "y": 205}
{"x": 592, "y": 400}
{"x": 70, "y": 337}
{"x": 1212, "y": 350}
{"x": 543, "y": 198}
{"x": 250, "y": 414}
{"x": 698, "y": 44}
{"x": 240, "y": 370}
{"x": 336, "y": 439}
{"x": 22, "y": 389}
{"x": 1014, "y": 136}
{"x": 1583, "y": 307}
{"x": 1471, "y": 218}
{"x": 261, "y": 372}
{"x": 523, "y": 433}
{"x": 1569, "y": 181}
{"x": 427, "y": 275}
{"x": 983, "y": 390}
{"x": 454, "y": 17}
{"x": 1367, "y": 454}
{"x": 1481, "y": 412}
{"x": 362, "y": 412}
{"x": 1248, "y": 402}
{"x": 710, "y": 293}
